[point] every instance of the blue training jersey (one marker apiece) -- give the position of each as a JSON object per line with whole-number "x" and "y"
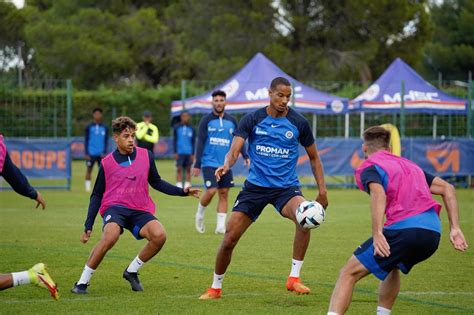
{"x": 273, "y": 146}
{"x": 184, "y": 137}
{"x": 214, "y": 140}
{"x": 96, "y": 139}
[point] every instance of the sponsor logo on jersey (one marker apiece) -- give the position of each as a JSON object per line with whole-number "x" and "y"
{"x": 259, "y": 131}
{"x": 211, "y": 129}
{"x": 272, "y": 151}
{"x": 219, "y": 141}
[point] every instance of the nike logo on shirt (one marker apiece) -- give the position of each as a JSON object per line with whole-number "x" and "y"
{"x": 274, "y": 126}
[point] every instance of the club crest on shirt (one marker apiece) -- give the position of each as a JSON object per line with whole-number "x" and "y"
{"x": 289, "y": 134}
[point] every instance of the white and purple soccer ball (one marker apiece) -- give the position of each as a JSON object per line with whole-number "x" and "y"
{"x": 310, "y": 214}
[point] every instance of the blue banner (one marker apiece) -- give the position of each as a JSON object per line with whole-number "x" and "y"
{"x": 41, "y": 158}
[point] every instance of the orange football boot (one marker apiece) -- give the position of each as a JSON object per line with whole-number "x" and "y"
{"x": 211, "y": 294}
{"x": 294, "y": 284}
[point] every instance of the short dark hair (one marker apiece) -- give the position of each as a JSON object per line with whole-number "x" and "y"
{"x": 219, "y": 93}
{"x": 279, "y": 81}
{"x": 121, "y": 123}
{"x": 377, "y": 137}
{"x": 97, "y": 109}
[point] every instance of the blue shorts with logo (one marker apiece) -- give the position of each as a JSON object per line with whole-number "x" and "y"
{"x": 130, "y": 219}
{"x": 408, "y": 247}
{"x": 184, "y": 160}
{"x": 252, "y": 199}
{"x": 208, "y": 173}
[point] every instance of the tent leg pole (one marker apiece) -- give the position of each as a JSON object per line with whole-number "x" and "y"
{"x": 362, "y": 124}
{"x": 435, "y": 125}
{"x": 346, "y": 126}
{"x": 315, "y": 123}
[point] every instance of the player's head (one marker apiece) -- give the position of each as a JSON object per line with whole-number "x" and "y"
{"x": 185, "y": 116}
{"x": 97, "y": 114}
{"x": 147, "y": 116}
{"x": 376, "y": 138}
{"x": 123, "y": 129}
{"x": 218, "y": 101}
{"x": 280, "y": 93}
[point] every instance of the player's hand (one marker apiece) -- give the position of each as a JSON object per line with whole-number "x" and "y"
{"x": 196, "y": 171}
{"x": 381, "y": 247}
{"x": 323, "y": 200}
{"x": 85, "y": 236}
{"x": 457, "y": 239}
{"x": 194, "y": 192}
{"x": 176, "y": 156}
{"x": 246, "y": 162}
{"x": 221, "y": 171}
{"x": 40, "y": 201}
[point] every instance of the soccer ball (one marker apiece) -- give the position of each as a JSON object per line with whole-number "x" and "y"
{"x": 310, "y": 214}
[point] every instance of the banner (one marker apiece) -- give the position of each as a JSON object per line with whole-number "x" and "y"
{"x": 41, "y": 158}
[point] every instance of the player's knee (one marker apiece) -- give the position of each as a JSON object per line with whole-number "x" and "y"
{"x": 158, "y": 238}
{"x": 347, "y": 273}
{"x": 109, "y": 240}
{"x": 229, "y": 241}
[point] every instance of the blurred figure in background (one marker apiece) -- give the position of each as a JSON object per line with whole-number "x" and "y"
{"x": 95, "y": 144}
{"x": 147, "y": 133}
{"x": 183, "y": 139}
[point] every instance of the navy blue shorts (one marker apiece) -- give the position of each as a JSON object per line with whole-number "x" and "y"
{"x": 184, "y": 161}
{"x": 407, "y": 248}
{"x": 210, "y": 181}
{"x": 252, "y": 199}
{"x": 90, "y": 163}
{"x": 132, "y": 220}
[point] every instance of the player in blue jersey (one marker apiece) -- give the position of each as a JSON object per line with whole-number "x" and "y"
{"x": 274, "y": 134}
{"x": 213, "y": 142}
{"x": 95, "y": 144}
{"x": 184, "y": 137}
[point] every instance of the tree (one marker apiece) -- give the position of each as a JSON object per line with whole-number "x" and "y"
{"x": 451, "y": 50}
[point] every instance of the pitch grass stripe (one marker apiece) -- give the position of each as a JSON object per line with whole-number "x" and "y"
{"x": 251, "y": 275}
{"x": 52, "y": 301}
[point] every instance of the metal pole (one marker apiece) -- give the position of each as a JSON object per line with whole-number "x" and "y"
{"x": 469, "y": 106}
{"x": 440, "y": 80}
{"x": 346, "y": 126}
{"x": 402, "y": 110}
{"x": 69, "y": 107}
{"x": 315, "y": 123}
{"x": 183, "y": 93}
{"x": 20, "y": 79}
{"x": 435, "y": 125}
{"x": 362, "y": 124}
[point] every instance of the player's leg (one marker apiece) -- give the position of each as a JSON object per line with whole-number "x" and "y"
{"x": 222, "y": 205}
{"x": 179, "y": 176}
{"x": 388, "y": 292}
{"x": 152, "y": 230}
{"x": 187, "y": 169}
{"x": 110, "y": 236}
{"x": 341, "y": 297}
{"x": 211, "y": 188}
{"x": 37, "y": 275}
{"x": 300, "y": 244}
{"x": 89, "y": 166}
{"x": 236, "y": 227}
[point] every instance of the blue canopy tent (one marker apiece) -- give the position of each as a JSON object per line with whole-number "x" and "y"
{"x": 419, "y": 96}
{"x": 247, "y": 90}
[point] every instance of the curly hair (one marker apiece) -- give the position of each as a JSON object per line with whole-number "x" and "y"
{"x": 122, "y": 123}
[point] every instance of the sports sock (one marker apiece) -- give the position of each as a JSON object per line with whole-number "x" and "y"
{"x": 332, "y": 313}
{"x": 383, "y": 311}
{"x": 86, "y": 275}
{"x": 187, "y": 184}
{"x": 179, "y": 184}
{"x": 87, "y": 185}
{"x": 201, "y": 209}
{"x": 20, "y": 278}
{"x": 296, "y": 267}
{"x": 135, "y": 265}
{"x": 217, "y": 283}
{"x": 221, "y": 221}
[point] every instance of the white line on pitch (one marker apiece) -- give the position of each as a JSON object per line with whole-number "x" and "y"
{"x": 436, "y": 293}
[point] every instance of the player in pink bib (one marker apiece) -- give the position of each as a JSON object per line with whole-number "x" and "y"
{"x": 121, "y": 196}
{"x": 402, "y": 191}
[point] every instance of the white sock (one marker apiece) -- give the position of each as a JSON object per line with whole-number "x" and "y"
{"x": 20, "y": 278}
{"x": 187, "y": 184}
{"x": 217, "y": 283}
{"x": 201, "y": 210}
{"x": 296, "y": 267}
{"x": 87, "y": 185}
{"x": 332, "y": 313}
{"x": 383, "y": 311}
{"x": 179, "y": 184}
{"x": 221, "y": 221}
{"x": 135, "y": 265}
{"x": 86, "y": 275}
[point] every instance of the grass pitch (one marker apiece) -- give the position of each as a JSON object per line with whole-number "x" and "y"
{"x": 255, "y": 281}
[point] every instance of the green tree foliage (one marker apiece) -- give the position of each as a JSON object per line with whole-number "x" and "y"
{"x": 451, "y": 51}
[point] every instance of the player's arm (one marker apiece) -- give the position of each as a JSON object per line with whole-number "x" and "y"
{"x": 155, "y": 181}
{"x": 201, "y": 139}
{"x": 94, "y": 205}
{"x": 15, "y": 178}
{"x": 378, "y": 201}
{"x": 231, "y": 157}
{"x": 318, "y": 173}
{"x": 448, "y": 193}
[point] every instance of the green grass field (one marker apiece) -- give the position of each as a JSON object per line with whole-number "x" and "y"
{"x": 176, "y": 277}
